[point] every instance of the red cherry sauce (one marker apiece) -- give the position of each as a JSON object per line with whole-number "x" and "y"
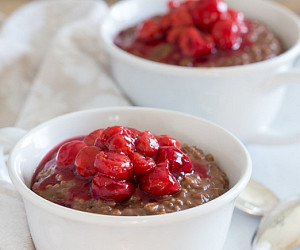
{"x": 200, "y": 169}
{"x": 67, "y": 173}
{"x": 168, "y": 53}
{"x": 81, "y": 188}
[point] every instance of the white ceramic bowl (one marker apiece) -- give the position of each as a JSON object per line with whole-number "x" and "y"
{"x": 243, "y": 99}
{"x": 57, "y": 227}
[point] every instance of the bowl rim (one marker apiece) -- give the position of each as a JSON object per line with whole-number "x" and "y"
{"x": 111, "y": 220}
{"x": 113, "y": 50}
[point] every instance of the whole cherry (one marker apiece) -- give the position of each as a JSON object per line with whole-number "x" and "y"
{"x": 149, "y": 30}
{"x": 206, "y": 12}
{"x": 114, "y": 164}
{"x": 227, "y": 34}
{"x": 193, "y": 42}
{"x": 107, "y": 188}
{"x": 159, "y": 181}
{"x": 146, "y": 144}
{"x": 84, "y": 161}
{"x": 178, "y": 161}
{"x": 68, "y": 151}
{"x": 141, "y": 164}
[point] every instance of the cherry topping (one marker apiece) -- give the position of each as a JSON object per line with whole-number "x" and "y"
{"x": 84, "y": 161}
{"x": 149, "y": 30}
{"x": 92, "y": 137}
{"x": 107, "y": 188}
{"x": 227, "y": 34}
{"x": 141, "y": 164}
{"x": 194, "y": 43}
{"x": 179, "y": 162}
{"x": 180, "y": 17}
{"x": 238, "y": 17}
{"x": 174, "y": 34}
{"x": 107, "y": 134}
{"x": 159, "y": 181}
{"x": 68, "y": 151}
{"x": 132, "y": 132}
{"x": 206, "y": 12}
{"x": 114, "y": 164}
{"x": 165, "y": 22}
{"x": 146, "y": 144}
{"x": 118, "y": 158}
{"x": 121, "y": 143}
{"x": 118, "y": 139}
{"x": 173, "y": 4}
{"x": 201, "y": 169}
{"x": 197, "y": 28}
{"x": 166, "y": 140}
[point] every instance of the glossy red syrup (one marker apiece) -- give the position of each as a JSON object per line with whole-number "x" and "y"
{"x": 86, "y": 188}
{"x": 191, "y": 33}
{"x": 168, "y": 53}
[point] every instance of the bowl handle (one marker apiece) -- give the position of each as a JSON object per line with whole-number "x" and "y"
{"x": 9, "y": 136}
{"x": 273, "y": 137}
{"x": 286, "y": 77}
{"x": 269, "y": 135}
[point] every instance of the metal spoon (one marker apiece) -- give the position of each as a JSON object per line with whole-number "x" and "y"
{"x": 256, "y": 199}
{"x": 279, "y": 228}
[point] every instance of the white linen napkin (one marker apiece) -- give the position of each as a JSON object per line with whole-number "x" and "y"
{"x": 51, "y": 62}
{"x": 14, "y": 232}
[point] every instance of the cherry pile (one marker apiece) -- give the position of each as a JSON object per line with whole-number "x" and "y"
{"x": 197, "y": 27}
{"x": 119, "y": 159}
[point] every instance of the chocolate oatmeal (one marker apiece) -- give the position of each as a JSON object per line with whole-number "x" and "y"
{"x": 196, "y": 180}
{"x": 184, "y": 36}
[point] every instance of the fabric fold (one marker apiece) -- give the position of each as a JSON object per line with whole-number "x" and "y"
{"x": 51, "y": 63}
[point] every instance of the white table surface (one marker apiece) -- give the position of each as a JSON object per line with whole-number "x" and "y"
{"x": 278, "y": 167}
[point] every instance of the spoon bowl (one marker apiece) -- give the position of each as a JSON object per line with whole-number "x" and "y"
{"x": 256, "y": 199}
{"x": 280, "y": 229}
